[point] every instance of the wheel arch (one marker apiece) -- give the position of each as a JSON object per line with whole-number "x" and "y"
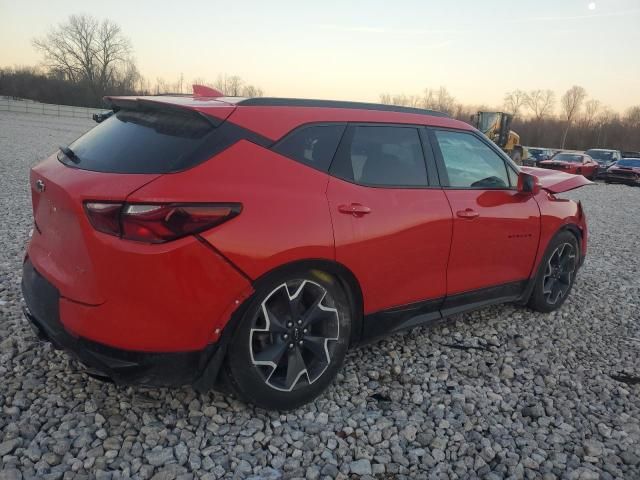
{"x": 576, "y": 231}
{"x": 346, "y": 277}
{"x": 209, "y": 375}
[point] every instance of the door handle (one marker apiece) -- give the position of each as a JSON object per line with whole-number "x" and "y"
{"x": 468, "y": 213}
{"x": 355, "y": 209}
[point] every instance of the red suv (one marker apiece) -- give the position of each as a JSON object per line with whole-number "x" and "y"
{"x": 190, "y": 239}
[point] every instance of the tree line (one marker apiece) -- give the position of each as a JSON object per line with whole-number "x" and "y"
{"x": 84, "y": 59}
{"x": 581, "y": 122}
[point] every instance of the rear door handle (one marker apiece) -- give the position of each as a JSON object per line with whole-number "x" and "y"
{"x": 467, "y": 213}
{"x": 355, "y": 209}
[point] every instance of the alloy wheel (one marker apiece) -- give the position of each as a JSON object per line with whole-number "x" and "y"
{"x": 558, "y": 274}
{"x": 294, "y": 334}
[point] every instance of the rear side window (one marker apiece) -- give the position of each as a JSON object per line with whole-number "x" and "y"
{"x": 382, "y": 156}
{"x": 313, "y": 145}
{"x": 133, "y": 141}
{"x": 470, "y": 163}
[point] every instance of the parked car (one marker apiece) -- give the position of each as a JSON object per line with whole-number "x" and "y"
{"x": 188, "y": 239}
{"x": 575, "y": 163}
{"x": 605, "y": 158}
{"x": 630, "y": 154}
{"x": 537, "y": 154}
{"x": 100, "y": 117}
{"x": 626, "y": 171}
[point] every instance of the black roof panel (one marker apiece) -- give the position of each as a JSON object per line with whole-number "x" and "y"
{"x": 307, "y": 102}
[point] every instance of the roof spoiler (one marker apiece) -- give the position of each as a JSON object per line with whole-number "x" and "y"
{"x": 204, "y": 91}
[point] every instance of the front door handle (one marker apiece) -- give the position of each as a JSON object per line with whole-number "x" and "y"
{"x": 355, "y": 209}
{"x": 468, "y": 213}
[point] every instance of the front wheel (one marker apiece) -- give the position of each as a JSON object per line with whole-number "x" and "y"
{"x": 291, "y": 341}
{"x": 556, "y": 273}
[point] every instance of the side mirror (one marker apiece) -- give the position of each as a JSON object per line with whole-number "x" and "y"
{"x": 528, "y": 184}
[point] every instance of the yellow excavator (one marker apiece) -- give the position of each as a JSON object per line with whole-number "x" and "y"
{"x": 497, "y": 127}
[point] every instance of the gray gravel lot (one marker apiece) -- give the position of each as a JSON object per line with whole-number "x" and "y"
{"x": 500, "y": 393}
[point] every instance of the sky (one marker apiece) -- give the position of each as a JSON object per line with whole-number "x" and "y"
{"x": 356, "y": 50}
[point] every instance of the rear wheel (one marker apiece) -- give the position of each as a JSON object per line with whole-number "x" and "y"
{"x": 291, "y": 341}
{"x": 556, "y": 273}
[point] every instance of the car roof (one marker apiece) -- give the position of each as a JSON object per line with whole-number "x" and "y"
{"x": 602, "y": 150}
{"x": 310, "y": 102}
{"x": 258, "y": 114}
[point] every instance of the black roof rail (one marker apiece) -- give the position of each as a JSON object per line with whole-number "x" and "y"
{"x": 307, "y": 102}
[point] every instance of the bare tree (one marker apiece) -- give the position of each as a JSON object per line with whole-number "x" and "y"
{"x": 591, "y": 111}
{"x": 385, "y": 98}
{"x": 84, "y": 49}
{"x": 440, "y": 100}
{"x": 514, "y": 101}
{"x": 632, "y": 117}
{"x": 571, "y": 102}
{"x": 234, "y": 86}
{"x": 541, "y": 103}
{"x": 251, "y": 91}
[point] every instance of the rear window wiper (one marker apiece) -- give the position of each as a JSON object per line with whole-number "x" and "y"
{"x": 70, "y": 154}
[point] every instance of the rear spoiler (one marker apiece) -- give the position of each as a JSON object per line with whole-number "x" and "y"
{"x": 205, "y": 101}
{"x": 142, "y": 104}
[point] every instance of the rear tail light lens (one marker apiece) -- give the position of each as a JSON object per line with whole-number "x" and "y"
{"x": 158, "y": 223}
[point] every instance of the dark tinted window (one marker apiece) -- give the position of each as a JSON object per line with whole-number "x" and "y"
{"x": 133, "y": 141}
{"x": 314, "y": 145}
{"x": 602, "y": 155}
{"x": 383, "y": 156}
{"x": 568, "y": 157}
{"x": 629, "y": 162}
{"x": 470, "y": 163}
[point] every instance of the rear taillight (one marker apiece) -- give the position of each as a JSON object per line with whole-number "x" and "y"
{"x": 158, "y": 223}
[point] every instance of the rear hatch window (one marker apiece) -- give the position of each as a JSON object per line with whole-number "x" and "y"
{"x": 142, "y": 141}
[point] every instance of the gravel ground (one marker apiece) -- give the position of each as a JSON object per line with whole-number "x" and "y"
{"x": 500, "y": 393}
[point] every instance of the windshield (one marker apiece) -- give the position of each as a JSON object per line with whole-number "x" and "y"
{"x": 568, "y": 157}
{"x": 600, "y": 155}
{"x": 488, "y": 121}
{"x": 629, "y": 162}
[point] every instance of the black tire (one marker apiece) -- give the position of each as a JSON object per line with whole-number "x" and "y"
{"x": 556, "y": 273}
{"x": 265, "y": 359}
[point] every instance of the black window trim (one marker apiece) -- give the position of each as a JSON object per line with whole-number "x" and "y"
{"x": 302, "y": 126}
{"x": 441, "y": 167}
{"x": 344, "y": 148}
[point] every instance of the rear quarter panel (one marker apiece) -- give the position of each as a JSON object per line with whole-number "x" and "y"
{"x": 285, "y": 215}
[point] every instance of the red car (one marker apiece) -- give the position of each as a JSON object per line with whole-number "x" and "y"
{"x": 188, "y": 239}
{"x": 575, "y": 163}
{"x": 626, "y": 171}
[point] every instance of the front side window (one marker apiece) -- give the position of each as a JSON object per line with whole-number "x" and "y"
{"x": 383, "y": 156}
{"x": 470, "y": 163}
{"x": 314, "y": 145}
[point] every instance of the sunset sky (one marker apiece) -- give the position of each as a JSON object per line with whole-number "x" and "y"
{"x": 356, "y": 50}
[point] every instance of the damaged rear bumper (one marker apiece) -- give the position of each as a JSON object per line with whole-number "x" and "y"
{"x": 121, "y": 366}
